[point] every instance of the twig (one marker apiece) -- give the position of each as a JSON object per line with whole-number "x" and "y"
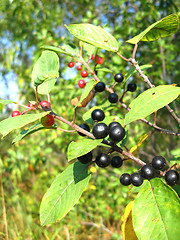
{"x": 171, "y": 111}
{"x": 125, "y": 59}
{"x": 134, "y": 51}
{"x": 97, "y": 226}
{"x": 141, "y": 73}
{"x": 94, "y": 74}
{"x": 4, "y": 207}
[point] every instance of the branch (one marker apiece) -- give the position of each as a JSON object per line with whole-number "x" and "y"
{"x": 141, "y": 73}
{"x": 93, "y": 74}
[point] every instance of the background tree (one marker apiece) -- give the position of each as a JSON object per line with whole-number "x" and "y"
{"x": 27, "y": 25}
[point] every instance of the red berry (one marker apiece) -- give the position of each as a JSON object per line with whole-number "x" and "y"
{"x": 30, "y": 105}
{"x": 92, "y": 57}
{"x": 99, "y": 60}
{"x": 84, "y": 73}
{"x": 71, "y": 64}
{"x": 47, "y": 121}
{"x": 79, "y": 67}
{"x": 81, "y": 83}
{"x": 15, "y": 113}
{"x": 44, "y": 104}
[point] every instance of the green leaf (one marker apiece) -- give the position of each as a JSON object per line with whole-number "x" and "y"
{"x": 77, "y": 149}
{"x": 55, "y": 49}
{"x": 89, "y": 86}
{"x": 64, "y": 192}
{"x": 163, "y": 28}
{"x": 36, "y": 127}
{"x": 9, "y": 124}
{"x": 156, "y": 212}
{"x": 94, "y": 35}
{"x": 88, "y": 48}
{"x": 46, "y": 86}
{"x": 150, "y": 101}
{"x": 46, "y": 68}
{"x": 104, "y": 69}
{"x": 5, "y": 102}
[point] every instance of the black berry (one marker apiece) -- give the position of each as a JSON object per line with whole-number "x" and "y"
{"x": 147, "y": 172}
{"x": 131, "y": 87}
{"x": 113, "y": 124}
{"x": 172, "y": 177}
{"x": 100, "y": 130}
{"x": 100, "y": 87}
{"x": 136, "y": 179}
{"x": 118, "y": 77}
{"x": 85, "y": 127}
{"x": 117, "y": 133}
{"x": 158, "y": 162}
{"x": 116, "y": 162}
{"x": 125, "y": 179}
{"x": 113, "y": 98}
{"x": 102, "y": 160}
{"x": 98, "y": 115}
{"x": 85, "y": 158}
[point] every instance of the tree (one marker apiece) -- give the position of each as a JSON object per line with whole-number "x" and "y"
{"x": 111, "y": 133}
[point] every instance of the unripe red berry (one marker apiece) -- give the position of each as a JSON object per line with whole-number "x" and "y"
{"x": 84, "y": 73}
{"x": 45, "y": 104}
{"x": 99, "y": 60}
{"x": 92, "y": 57}
{"x": 30, "y": 105}
{"x": 47, "y": 121}
{"x": 81, "y": 83}
{"x": 79, "y": 67}
{"x": 15, "y": 113}
{"x": 71, "y": 64}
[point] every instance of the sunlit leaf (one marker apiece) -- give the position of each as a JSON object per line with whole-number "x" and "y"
{"x": 94, "y": 35}
{"x": 163, "y": 28}
{"x": 9, "y": 124}
{"x": 150, "y": 101}
{"x": 77, "y": 149}
{"x": 64, "y": 192}
{"x": 156, "y": 212}
{"x": 46, "y": 68}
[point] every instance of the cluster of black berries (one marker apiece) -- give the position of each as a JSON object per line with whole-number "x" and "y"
{"x": 149, "y": 172}
{"x": 101, "y": 130}
{"x": 113, "y": 97}
{"x": 102, "y": 160}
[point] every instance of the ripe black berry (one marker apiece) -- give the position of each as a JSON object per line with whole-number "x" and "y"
{"x": 158, "y": 162}
{"x": 102, "y": 160}
{"x": 100, "y": 130}
{"x": 85, "y": 158}
{"x": 85, "y": 127}
{"x": 100, "y": 86}
{"x": 116, "y": 162}
{"x": 125, "y": 179}
{"x": 113, "y": 98}
{"x": 117, "y": 133}
{"x": 131, "y": 87}
{"x": 118, "y": 77}
{"x": 147, "y": 172}
{"x": 136, "y": 179}
{"x": 172, "y": 177}
{"x": 113, "y": 124}
{"x": 98, "y": 115}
